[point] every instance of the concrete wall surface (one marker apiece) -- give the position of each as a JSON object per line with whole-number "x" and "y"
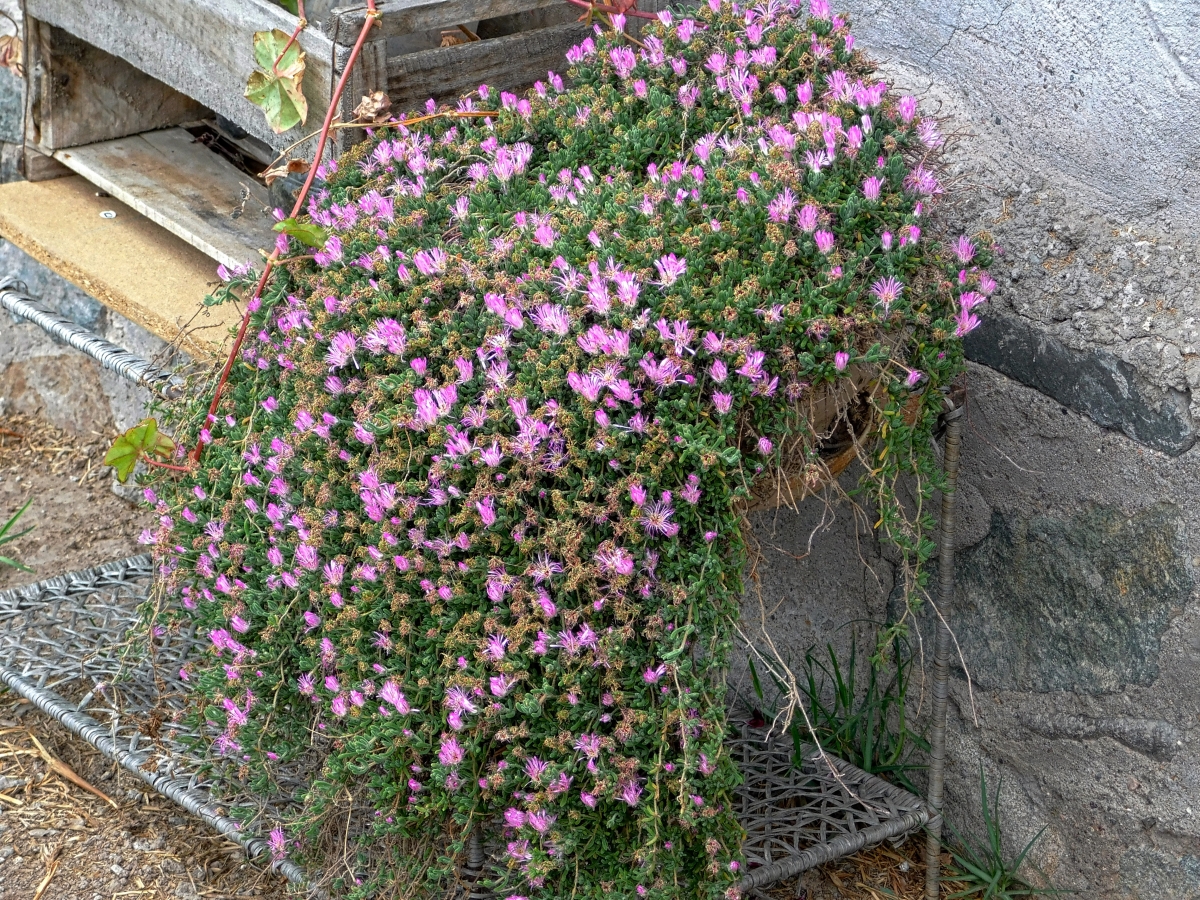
{"x": 39, "y": 374}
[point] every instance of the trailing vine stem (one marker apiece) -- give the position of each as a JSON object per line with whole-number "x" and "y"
{"x": 368, "y": 23}
{"x": 621, "y": 9}
{"x": 300, "y": 26}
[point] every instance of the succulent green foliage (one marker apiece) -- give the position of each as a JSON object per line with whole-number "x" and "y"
{"x": 466, "y": 537}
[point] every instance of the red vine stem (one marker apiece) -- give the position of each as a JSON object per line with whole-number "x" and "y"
{"x": 631, "y": 10}
{"x": 368, "y": 23}
{"x": 162, "y": 465}
{"x": 295, "y": 34}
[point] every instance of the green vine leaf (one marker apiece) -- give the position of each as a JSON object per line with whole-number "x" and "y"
{"x": 275, "y": 87}
{"x": 129, "y": 447}
{"x": 305, "y": 232}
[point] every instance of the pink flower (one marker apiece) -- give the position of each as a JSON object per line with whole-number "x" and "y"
{"x": 545, "y": 236}
{"x": 432, "y": 261}
{"x": 487, "y": 511}
{"x": 651, "y": 676}
{"x": 887, "y": 291}
{"x": 840, "y": 360}
{"x": 963, "y": 249}
{"x": 670, "y": 268}
{"x": 780, "y": 209}
{"x": 656, "y": 519}
{"x": 535, "y": 768}
{"x": 451, "y": 752}
{"x": 623, "y": 61}
{"x": 495, "y": 647}
{"x": 824, "y": 241}
{"x": 723, "y": 402}
{"x": 551, "y": 319}
{"x": 630, "y": 792}
{"x": 807, "y": 218}
{"x": 341, "y": 350}
{"x": 966, "y": 321}
{"x": 500, "y": 685}
{"x": 614, "y": 560}
{"x": 871, "y": 187}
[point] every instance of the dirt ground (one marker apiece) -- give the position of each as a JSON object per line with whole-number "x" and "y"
{"x": 100, "y": 835}
{"x": 58, "y": 841}
{"x": 78, "y": 521}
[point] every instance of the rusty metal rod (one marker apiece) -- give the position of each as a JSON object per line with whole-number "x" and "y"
{"x": 941, "y": 654}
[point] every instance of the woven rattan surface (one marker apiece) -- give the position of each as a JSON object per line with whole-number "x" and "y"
{"x": 73, "y": 646}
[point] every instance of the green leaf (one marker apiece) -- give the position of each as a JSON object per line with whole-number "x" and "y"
{"x": 19, "y": 566}
{"x": 530, "y": 706}
{"x": 275, "y": 87}
{"x": 5, "y": 537}
{"x": 129, "y": 447}
{"x": 305, "y": 232}
{"x": 291, "y": 6}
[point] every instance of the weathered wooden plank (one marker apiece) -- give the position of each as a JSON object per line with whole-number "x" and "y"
{"x": 184, "y": 187}
{"x": 37, "y": 166}
{"x": 82, "y": 95}
{"x": 503, "y": 63}
{"x": 370, "y": 74}
{"x": 127, "y": 262}
{"x": 402, "y": 17}
{"x": 203, "y": 49}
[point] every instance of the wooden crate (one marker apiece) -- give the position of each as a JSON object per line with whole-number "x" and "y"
{"x": 116, "y": 89}
{"x": 202, "y": 48}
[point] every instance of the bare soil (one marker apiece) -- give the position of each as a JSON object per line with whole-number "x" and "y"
{"x": 58, "y": 840}
{"x": 77, "y": 519}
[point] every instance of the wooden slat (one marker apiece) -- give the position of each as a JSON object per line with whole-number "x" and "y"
{"x": 503, "y": 63}
{"x": 184, "y": 187}
{"x": 80, "y": 94}
{"x": 37, "y": 166}
{"x": 202, "y": 48}
{"x": 128, "y": 263}
{"x": 407, "y": 16}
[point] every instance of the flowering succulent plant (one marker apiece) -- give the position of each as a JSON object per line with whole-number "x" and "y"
{"x": 466, "y": 539}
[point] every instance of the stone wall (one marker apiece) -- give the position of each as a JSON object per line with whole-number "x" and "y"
{"x": 1076, "y": 611}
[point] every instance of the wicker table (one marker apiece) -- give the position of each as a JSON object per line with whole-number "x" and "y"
{"x": 75, "y": 636}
